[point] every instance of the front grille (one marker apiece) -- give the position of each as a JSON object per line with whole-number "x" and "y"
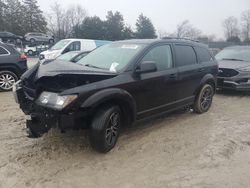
{"x": 227, "y": 72}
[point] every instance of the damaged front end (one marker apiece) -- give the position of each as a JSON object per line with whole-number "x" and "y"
{"x": 39, "y": 94}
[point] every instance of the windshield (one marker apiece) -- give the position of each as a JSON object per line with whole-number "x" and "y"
{"x": 113, "y": 57}
{"x": 59, "y": 45}
{"x": 68, "y": 56}
{"x": 237, "y": 54}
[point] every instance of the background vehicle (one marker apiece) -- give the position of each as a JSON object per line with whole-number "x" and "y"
{"x": 5, "y": 36}
{"x": 73, "y": 56}
{"x": 68, "y": 45}
{"x": 39, "y": 37}
{"x": 115, "y": 85}
{"x": 34, "y": 49}
{"x": 12, "y": 66}
{"x": 234, "y": 68}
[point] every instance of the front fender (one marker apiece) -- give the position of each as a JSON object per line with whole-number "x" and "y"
{"x": 112, "y": 94}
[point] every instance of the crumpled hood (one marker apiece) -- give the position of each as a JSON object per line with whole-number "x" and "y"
{"x": 227, "y": 64}
{"x": 59, "y": 67}
{"x": 58, "y": 76}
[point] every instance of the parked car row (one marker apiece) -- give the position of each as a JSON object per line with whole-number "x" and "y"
{"x": 29, "y": 37}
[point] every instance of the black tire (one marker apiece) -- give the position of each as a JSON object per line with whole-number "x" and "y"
{"x": 105, "y": 128}
{"x": 204, "y": 99}
{"x": 32, "y": 40}
{"x": 51, "y": 41}
{"x": 30, "y": 52}
{"x": 7, "y": 77}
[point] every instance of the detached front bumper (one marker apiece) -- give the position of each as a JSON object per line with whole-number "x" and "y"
{"x": 40, "y": 120}
{"x": 238, "y": 84}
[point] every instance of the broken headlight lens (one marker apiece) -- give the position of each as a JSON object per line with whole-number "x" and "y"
{"x": 53, "y": 100}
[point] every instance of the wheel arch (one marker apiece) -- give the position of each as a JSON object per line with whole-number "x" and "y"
{"x": 113, "y": 96}
{"x": 11, "y": 68}
{"x": 207, "y": 79}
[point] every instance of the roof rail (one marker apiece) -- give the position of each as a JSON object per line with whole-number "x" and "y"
{"x": 179, "y": 38}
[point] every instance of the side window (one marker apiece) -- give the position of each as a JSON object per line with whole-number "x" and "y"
{"x": 185, "y": 55}
{"x": 161, "y": 55}
{"x": 75, "y": 46}
{"x": 203, "y": 55}
{"x": 3, "y": 51}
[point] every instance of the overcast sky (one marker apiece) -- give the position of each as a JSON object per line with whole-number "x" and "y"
{"x": 207, "y": 15}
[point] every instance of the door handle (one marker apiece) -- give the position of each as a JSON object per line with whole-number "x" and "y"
{"x": 173, "y": 76}
{"x": 201, "y": 70}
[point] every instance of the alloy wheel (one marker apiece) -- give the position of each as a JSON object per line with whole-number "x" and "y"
{"x": 7, "y": 81}
{"x": 206, "y": 98}
{"x": 112, "y": 128}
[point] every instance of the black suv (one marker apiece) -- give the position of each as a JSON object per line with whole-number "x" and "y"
{"x": 116, "y": 85}
{"x": 12, "y": 66}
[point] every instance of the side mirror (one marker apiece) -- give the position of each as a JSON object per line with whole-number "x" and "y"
{"x": 146, "y": 66}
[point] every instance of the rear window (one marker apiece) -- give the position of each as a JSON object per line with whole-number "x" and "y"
{"x": 203, "y": 55}
{"x": 3, "y": 51}
{"x": 185, "y": 55}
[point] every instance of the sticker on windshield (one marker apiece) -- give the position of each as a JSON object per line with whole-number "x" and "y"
{"x": 130, "y": 46}
{"x": 113, "y": 67}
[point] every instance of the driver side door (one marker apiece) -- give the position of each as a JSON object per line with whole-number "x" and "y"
{"x": 74, "y": 46}
{"x": 155, "y": 91}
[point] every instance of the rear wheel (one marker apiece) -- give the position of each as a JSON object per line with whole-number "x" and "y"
{"x": 7, "y": 80}
{"x": 30, "y": 52}
{"x": 204, "y": 99}
{"x": 105, "y": 128}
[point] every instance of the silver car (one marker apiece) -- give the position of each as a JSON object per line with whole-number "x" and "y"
{"x": 38, "y": 37}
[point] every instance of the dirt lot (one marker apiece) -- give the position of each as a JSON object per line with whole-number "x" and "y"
{"x": 179, "y": 150}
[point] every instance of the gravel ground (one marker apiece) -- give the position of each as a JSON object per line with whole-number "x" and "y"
{"x": 178, "y": 150}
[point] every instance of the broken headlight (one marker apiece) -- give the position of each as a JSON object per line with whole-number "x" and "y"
{"x": 55, "y": 101}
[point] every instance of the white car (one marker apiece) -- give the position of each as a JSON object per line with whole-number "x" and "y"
{"x": 34, "y": 49}
{"x": 68, "y": 45}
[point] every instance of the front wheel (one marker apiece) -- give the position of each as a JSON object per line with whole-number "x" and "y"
{"x": 204, "y": 99}
{"x": 7, "y": 80}
{"x": 105, "y": 128}
{"x": 32, "y": 40}
{"x": 51, "y": 41}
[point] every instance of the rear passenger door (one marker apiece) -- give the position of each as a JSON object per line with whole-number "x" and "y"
{"x": 190, "y": 72}
{"x": 4, "y": 56}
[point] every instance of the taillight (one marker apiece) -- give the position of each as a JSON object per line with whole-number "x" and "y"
{"x": 23, "y": 56}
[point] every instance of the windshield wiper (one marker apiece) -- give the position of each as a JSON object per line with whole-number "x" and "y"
{"x": 93, "y": 66}
{"x": 232, "y": 59}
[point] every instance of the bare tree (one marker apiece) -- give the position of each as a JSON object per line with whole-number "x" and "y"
{"x": 186, "y": 30}
{"x": 245, "y": 23}
{"x": 231, "y": 27}
{"x": 61, "y": 21}
{"x": 162, "y": 33}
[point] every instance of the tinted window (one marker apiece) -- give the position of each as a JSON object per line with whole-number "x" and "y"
{"x": 203, "y": 55}
{"x": 161, "y": 55}
{"x": 3, "y": 51}
{"x": 75, "y": 46}
{"x": 185, "y": 55}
